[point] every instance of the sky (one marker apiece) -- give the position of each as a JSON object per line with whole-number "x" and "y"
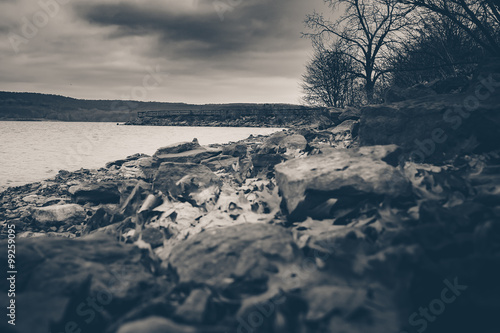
{"x": 192, "y": 51}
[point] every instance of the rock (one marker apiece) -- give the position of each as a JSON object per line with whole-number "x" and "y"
{"x": 396, "y": 94}
{"x": 324, "y": 300}
{"x": 141, "y": 168}
{"x": 186, "y": 180}
{"x": 177, "y": 148}
{"x": 307, "y": 183}
{"x": 239, "y": 258}
{"x": 152, "y": 236}
{"x": 344, "y": 134}
{"x": 222, "y": 162}
{"x": 235, "y": 150}
{"x": 280, "y": 142}
{"x": 267, "y": 160}
{"x": 350, "y": 113}
{"x": 155, "y": 325}
{"x": 112, "y": 275}
{"x": 59, "y": 214}
{"x": 437, "y": 128}
{"x": 190, "y": 156}
{"x": 194, "y": 308}
{"x": 130, "y": 158}
{"x": 96, "y": 193}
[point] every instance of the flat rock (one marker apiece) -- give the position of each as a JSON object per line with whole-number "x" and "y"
{"x": 222, "y": 162}
{"x": 96, "y": 193}
{"x": 240, "y": 257}
{"x": 178, "y": 148}
{"x": 339, "y": 173}
{"x": 344, "y": 134}
{"x": 59, "y": 214}
{"x": 190, "y": 156}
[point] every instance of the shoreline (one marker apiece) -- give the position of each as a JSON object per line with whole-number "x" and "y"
{"x": 312, "y": 226}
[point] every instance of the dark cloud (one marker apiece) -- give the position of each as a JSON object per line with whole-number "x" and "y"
{"x": 103, "y": 49}
{"x": 252, "y": 26}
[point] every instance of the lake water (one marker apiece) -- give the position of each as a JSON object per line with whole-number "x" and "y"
{"x": 34, "y": 151}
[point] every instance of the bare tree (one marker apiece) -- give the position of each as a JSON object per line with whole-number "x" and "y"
{"x": 328, "y": 80}
{"x": 367, "y": 32}
{"x": 480, "y": 19}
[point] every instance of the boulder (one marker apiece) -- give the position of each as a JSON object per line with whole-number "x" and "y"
{"x": 344, "y": 134}
{"x": 96, "y": 193}
{"x": 307, "y": 183}
{"x": 119, "y": 163}
{"x": 186, "y": 180}
{"x": 61, "y": 274}
{"x": 194, "y": 308}
{"x": 144, "y": 167}
{"x": 177, "y": 148}
{"x": 267, "y": 160}
{"x": 59, "y": 214}
{"x": 235, "y": 150}
{"x": 222, "y": 162}
{"x": 239, "y": 258}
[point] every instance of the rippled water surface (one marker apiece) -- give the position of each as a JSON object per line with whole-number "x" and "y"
{"x": 33, "y": 151}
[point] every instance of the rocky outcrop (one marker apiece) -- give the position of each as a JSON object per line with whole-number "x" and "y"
{"x": 310, "y": 183}
{"x": 59, "y": 214}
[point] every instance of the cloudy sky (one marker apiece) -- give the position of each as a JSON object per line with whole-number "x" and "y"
{"x": 194, "y": 51}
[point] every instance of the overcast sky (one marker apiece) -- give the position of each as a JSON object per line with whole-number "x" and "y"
{"x": 194, "y": 51}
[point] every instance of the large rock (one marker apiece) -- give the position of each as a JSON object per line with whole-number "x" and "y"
{"x": 68, "y": 280}
{"x": 437, "y": 128}
{"x": 96, "y": 193}
{"x": 235, "y": 150}
{"x": 240, "y": 257}
{"x": 190, "y": 156}
{"x": 344, "y": 134}
{"x": 222, "y": 162}
{"x": 309, "y": 182}
{"x": 59, "y": 214}
{"x": 186, "y": 180}
{"x": 177, "y": 148}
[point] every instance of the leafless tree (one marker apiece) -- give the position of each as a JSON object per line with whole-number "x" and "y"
{"x": 367, "y": 33}
{"x": 480, "y": 19}
{"x": 328, "y": 80}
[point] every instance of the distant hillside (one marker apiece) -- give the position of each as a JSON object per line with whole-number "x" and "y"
{"x": 19, "y": 106}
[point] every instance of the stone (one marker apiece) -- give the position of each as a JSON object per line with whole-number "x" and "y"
{"x": 309, "y": 182}
{"x": 185, "y": 180}
{"x": 144, "y": 167}
{"x": 436, "y": 129}
{"x": 152, "y": 236}
{"x": 130, "y": 158}
{"x": 190, "y": 156}
{"x": 177, "y": 148}
{"x": 155, "y": 325}
{"x": 59, "y": 214}
{"x": 96, "y": 193}
{"x": 222, "y": 162}
{"x": 344, "y": 134}
{"x": 324, "y": 300}
{"x": 235, "y": 150}
{"x": 239, "y": 258}
{"x": 267, "y": 160}
{"x": 194, "y": 308}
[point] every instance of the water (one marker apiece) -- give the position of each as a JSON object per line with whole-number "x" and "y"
{"x": 34, "y": 151}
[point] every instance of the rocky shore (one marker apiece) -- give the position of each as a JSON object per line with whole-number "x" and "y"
{"x": 339, "y": 226}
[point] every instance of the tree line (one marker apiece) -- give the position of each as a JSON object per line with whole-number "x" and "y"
{"x": 377, "y": 44}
